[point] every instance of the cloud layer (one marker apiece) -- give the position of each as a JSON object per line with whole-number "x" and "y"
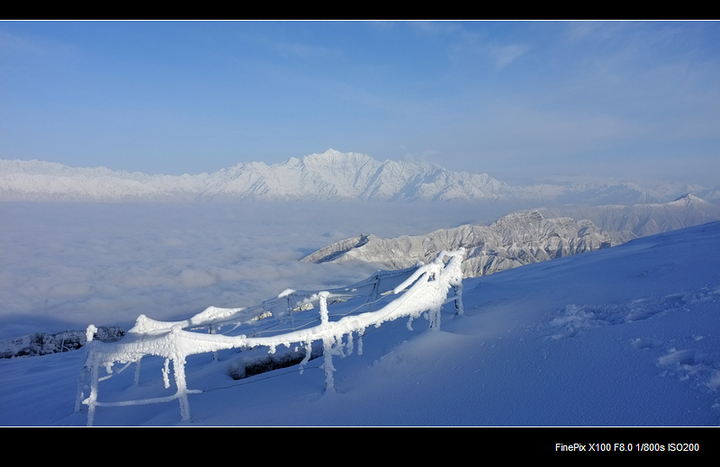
{"x": 67, "y": 265}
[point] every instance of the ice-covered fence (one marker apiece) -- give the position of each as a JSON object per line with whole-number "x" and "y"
{"x": 421, "y": 289}
{"x": 281, "y": 307}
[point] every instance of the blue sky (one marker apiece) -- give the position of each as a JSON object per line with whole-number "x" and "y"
{"x": 521, "y": 101}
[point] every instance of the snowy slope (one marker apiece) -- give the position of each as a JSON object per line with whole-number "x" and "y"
{"x": 620, "y": 336}
{"x": 639, "y": 220}
{"x": 332, "y": 175}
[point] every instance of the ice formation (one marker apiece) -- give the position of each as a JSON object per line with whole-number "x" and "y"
{"x": 423, "y": 288}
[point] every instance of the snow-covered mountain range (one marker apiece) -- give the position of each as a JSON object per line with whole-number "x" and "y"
{"x": 332, "y": 175}
{"x": 640, "y": 220}
{"x": 527, "y": 236}
{"x": 511, "y": 241}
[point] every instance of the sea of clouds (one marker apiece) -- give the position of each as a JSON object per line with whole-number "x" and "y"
{"x": 66, "y": 265}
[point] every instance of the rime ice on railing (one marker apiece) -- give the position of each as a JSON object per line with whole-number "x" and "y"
{"x": 424, "y": 288}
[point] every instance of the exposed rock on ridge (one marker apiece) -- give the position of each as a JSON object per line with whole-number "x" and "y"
{"x": 514, "y": 240}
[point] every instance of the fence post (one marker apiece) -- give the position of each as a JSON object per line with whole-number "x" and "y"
{"x": 323, "y": 307}
{"x": 80, "y": 387}
{"x": 137, "y": 371}
{"x": 290, "y": 312}
{"x": 90, "y": 401}
{"x": 327, "y": 344}
{"x": 434, "y": 315}
{"x": 181, "y": 383}
{"x": 458, "y": 290}
{"x": 211, "y": 330}
{"x": 92, "y": 398}
{"x": 374, "y": 292}
{"x": 178, "y": 361}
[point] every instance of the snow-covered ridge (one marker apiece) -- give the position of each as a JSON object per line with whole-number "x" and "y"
{"x": 511, "y": 241}
{"x": 332, "y": 175}
{"x": 640, "y": 220}
{"x": 527, "y": 236}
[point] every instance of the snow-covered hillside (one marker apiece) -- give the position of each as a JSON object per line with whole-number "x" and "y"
{"x": 511, "y": 241}
{"x": 332, "y": 175}
{"x": 639, "y": 220}
{"x": 525, "y": 237}
{"x": 621, "y": 336}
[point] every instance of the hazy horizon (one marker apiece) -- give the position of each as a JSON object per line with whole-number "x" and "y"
{"x": 557, "y": 179}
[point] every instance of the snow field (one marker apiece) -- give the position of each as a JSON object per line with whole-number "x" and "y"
{"x": 626, "y": 336}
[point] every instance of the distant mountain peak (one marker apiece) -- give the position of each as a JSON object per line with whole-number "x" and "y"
{"x": 331, "y": 155}
{"x": 689, "y": 198}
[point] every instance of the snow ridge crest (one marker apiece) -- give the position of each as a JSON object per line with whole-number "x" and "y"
{"x": 514, "y": 240}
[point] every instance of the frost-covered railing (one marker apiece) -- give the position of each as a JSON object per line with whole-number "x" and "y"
{"x": 281, "y": 307}
{"x": 421, "y": 289}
